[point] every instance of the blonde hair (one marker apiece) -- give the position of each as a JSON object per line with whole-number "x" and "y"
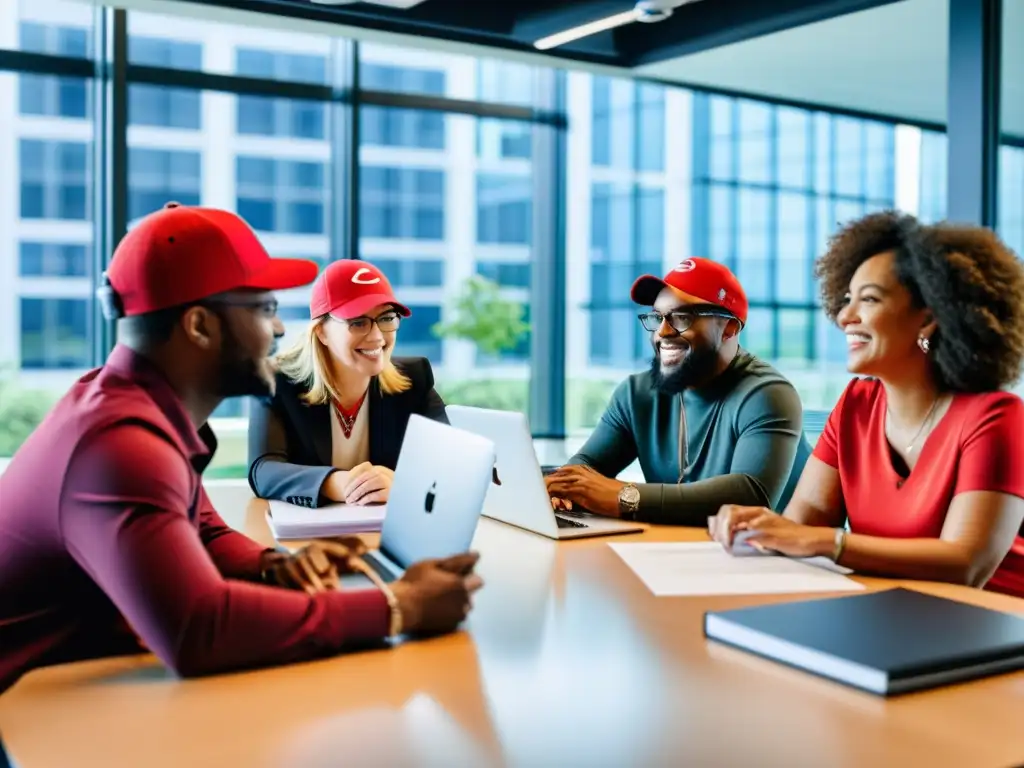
{"x": 307, "y": 362}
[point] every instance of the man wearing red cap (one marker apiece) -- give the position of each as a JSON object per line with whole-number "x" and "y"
{"x": 709, "y": 422}
{"x": 106, "y": 534}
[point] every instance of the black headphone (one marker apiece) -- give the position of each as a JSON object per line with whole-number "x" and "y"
{"x": 110, "y": 300}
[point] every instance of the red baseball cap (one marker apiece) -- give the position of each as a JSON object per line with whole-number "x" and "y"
{"x": 182, "y": 254}
{"x": 349, "y": 288}
{"x": 703, "y": 278}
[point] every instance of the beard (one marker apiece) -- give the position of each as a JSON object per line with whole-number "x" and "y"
{"x": 239, "y": 374}
{"x": 695, "y": 367}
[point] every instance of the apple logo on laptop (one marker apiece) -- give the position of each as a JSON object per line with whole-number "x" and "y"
{"x": 494, "y": 476}
{"x": 428, "y": 502}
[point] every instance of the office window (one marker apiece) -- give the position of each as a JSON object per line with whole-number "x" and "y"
{"x": 54, "y": 333}
{"x": 375, "y": 76}
{"x": 753, "y": 248}
{"x": 506, "y": 82}
{"x": 402, "y": 203}
{"x": 627, "y": 223}
{"x": 276, "y": 65}
{"x": 793, "y": 129}
{"x": 391, "y": 127}
{"x": 1010, "y": 224}
{"x": 795, "y": 249}
{"x": 628, "y": 124}
{"x": 932, "y": 202}
{"x": 650, "y": 118}
{"x": 849, "y": 156}
{"x": 262, "y": 116}
{"x": 416, "y": 335}
{"x": 159, "y": 176}
{"x": 504, "y": 209}
{"x": 771, "y": 184}
{"x": 755, "y": 133}
{"x": 161, "y": 52}
{"x": 411, "y": 273}
{"x": 49, "y": 95}
{"x": 795, "y": 329}
{"x": 879, "y": 162}
{"x": 504, "y": 140}
{"x": 158, "y": 105}
{"x": 626, "y": 240}
{"x": 54, "y": 179}
{"x": 53, "y": 259}
{"x": 506, "y": 274}
{"x": 757, "y": 335}
{"x": 282, "y": 195}
{"x": 293, "y": 118}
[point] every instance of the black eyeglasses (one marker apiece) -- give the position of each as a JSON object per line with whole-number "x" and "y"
{"x": 388, "y": 322}
{"x": 681, "y": 320}
{"x": 266, "y": 307}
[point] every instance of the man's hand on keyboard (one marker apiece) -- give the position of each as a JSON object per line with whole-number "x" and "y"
{"x": 583, "y": 487}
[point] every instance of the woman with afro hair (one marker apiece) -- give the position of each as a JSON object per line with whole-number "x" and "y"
{"x": 923, "y": 455}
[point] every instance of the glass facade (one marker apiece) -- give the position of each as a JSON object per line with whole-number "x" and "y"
{"x": 653, "y": 174}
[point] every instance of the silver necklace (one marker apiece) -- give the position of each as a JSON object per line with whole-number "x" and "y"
{"x": 927, "y": 418}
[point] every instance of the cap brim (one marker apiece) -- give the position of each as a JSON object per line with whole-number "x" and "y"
{"x": 282, "y": 274}
{"x": 646, "y": 289}
{"x": 364, "y": 304}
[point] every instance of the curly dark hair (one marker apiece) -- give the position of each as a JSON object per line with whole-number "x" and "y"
{"x": 969, "y": 279}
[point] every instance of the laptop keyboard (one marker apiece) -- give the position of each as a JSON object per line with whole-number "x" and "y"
{"x": 565, "y": 522}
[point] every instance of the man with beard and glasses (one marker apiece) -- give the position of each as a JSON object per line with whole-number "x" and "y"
{"x": 709, "y": 422}
{"x": 108, "y": 541}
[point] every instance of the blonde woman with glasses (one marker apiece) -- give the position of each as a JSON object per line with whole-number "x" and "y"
{"x": 334, "y": 428}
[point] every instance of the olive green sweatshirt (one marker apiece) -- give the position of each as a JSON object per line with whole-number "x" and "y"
{"x": 737, "y": 441}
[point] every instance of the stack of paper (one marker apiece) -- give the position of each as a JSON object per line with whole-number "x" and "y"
{"x": 288, "y": 521}
{"x": 705, "y": 568}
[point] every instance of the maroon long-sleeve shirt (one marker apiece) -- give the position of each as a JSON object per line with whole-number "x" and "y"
{"x": 103, "y": 518}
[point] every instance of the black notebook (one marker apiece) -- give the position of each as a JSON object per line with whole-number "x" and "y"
{"x": 887, "y": 642}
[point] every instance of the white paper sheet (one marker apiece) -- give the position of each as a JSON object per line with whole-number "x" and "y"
{"x": 705, "y": 568}
{"x": 289, "y": 521}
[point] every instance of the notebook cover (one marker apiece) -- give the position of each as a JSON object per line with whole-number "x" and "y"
{"x": 900, "y": 632}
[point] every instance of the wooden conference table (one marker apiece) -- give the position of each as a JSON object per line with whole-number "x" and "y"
{"x": 567, "y": 660}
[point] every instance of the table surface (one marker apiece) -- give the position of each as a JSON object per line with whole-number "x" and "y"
{"x": 567, "y": 660}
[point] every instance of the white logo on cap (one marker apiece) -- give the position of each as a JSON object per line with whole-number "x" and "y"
{"x": 686, "y": 265}
{"x": 721, "y": 294}
{"x": 358, "y": 277}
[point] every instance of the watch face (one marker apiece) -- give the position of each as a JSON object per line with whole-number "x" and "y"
{"x": 630, "y": 494}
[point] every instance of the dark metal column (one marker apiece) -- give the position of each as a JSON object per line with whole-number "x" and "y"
{"x": 975, "y": 35}
{"x": 548, "y": 285}
{"x": 344, "y": 224}
{"x": 110, "y": 158}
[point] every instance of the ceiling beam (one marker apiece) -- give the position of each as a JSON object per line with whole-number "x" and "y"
{"x": 708, "y": 24}
{"x": 434, "y": 18}
{"x": 475, "y": 23}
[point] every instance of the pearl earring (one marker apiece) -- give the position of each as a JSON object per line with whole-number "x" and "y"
{"x": 924, "y": 344}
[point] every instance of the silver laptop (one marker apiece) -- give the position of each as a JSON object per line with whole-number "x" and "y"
{"x": 436, "y": 496}
{"x": 517, "y": 494}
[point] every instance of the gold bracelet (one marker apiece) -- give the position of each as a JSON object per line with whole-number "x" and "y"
{"x": 837, "y": 551}
{"x": 395, "y": 628}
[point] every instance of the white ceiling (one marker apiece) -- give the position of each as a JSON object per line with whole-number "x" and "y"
{"x": 890, "y": 60}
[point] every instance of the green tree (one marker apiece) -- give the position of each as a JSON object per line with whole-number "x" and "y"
{"x": 485, "y": 317}
{"x": 21, "y": 410}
